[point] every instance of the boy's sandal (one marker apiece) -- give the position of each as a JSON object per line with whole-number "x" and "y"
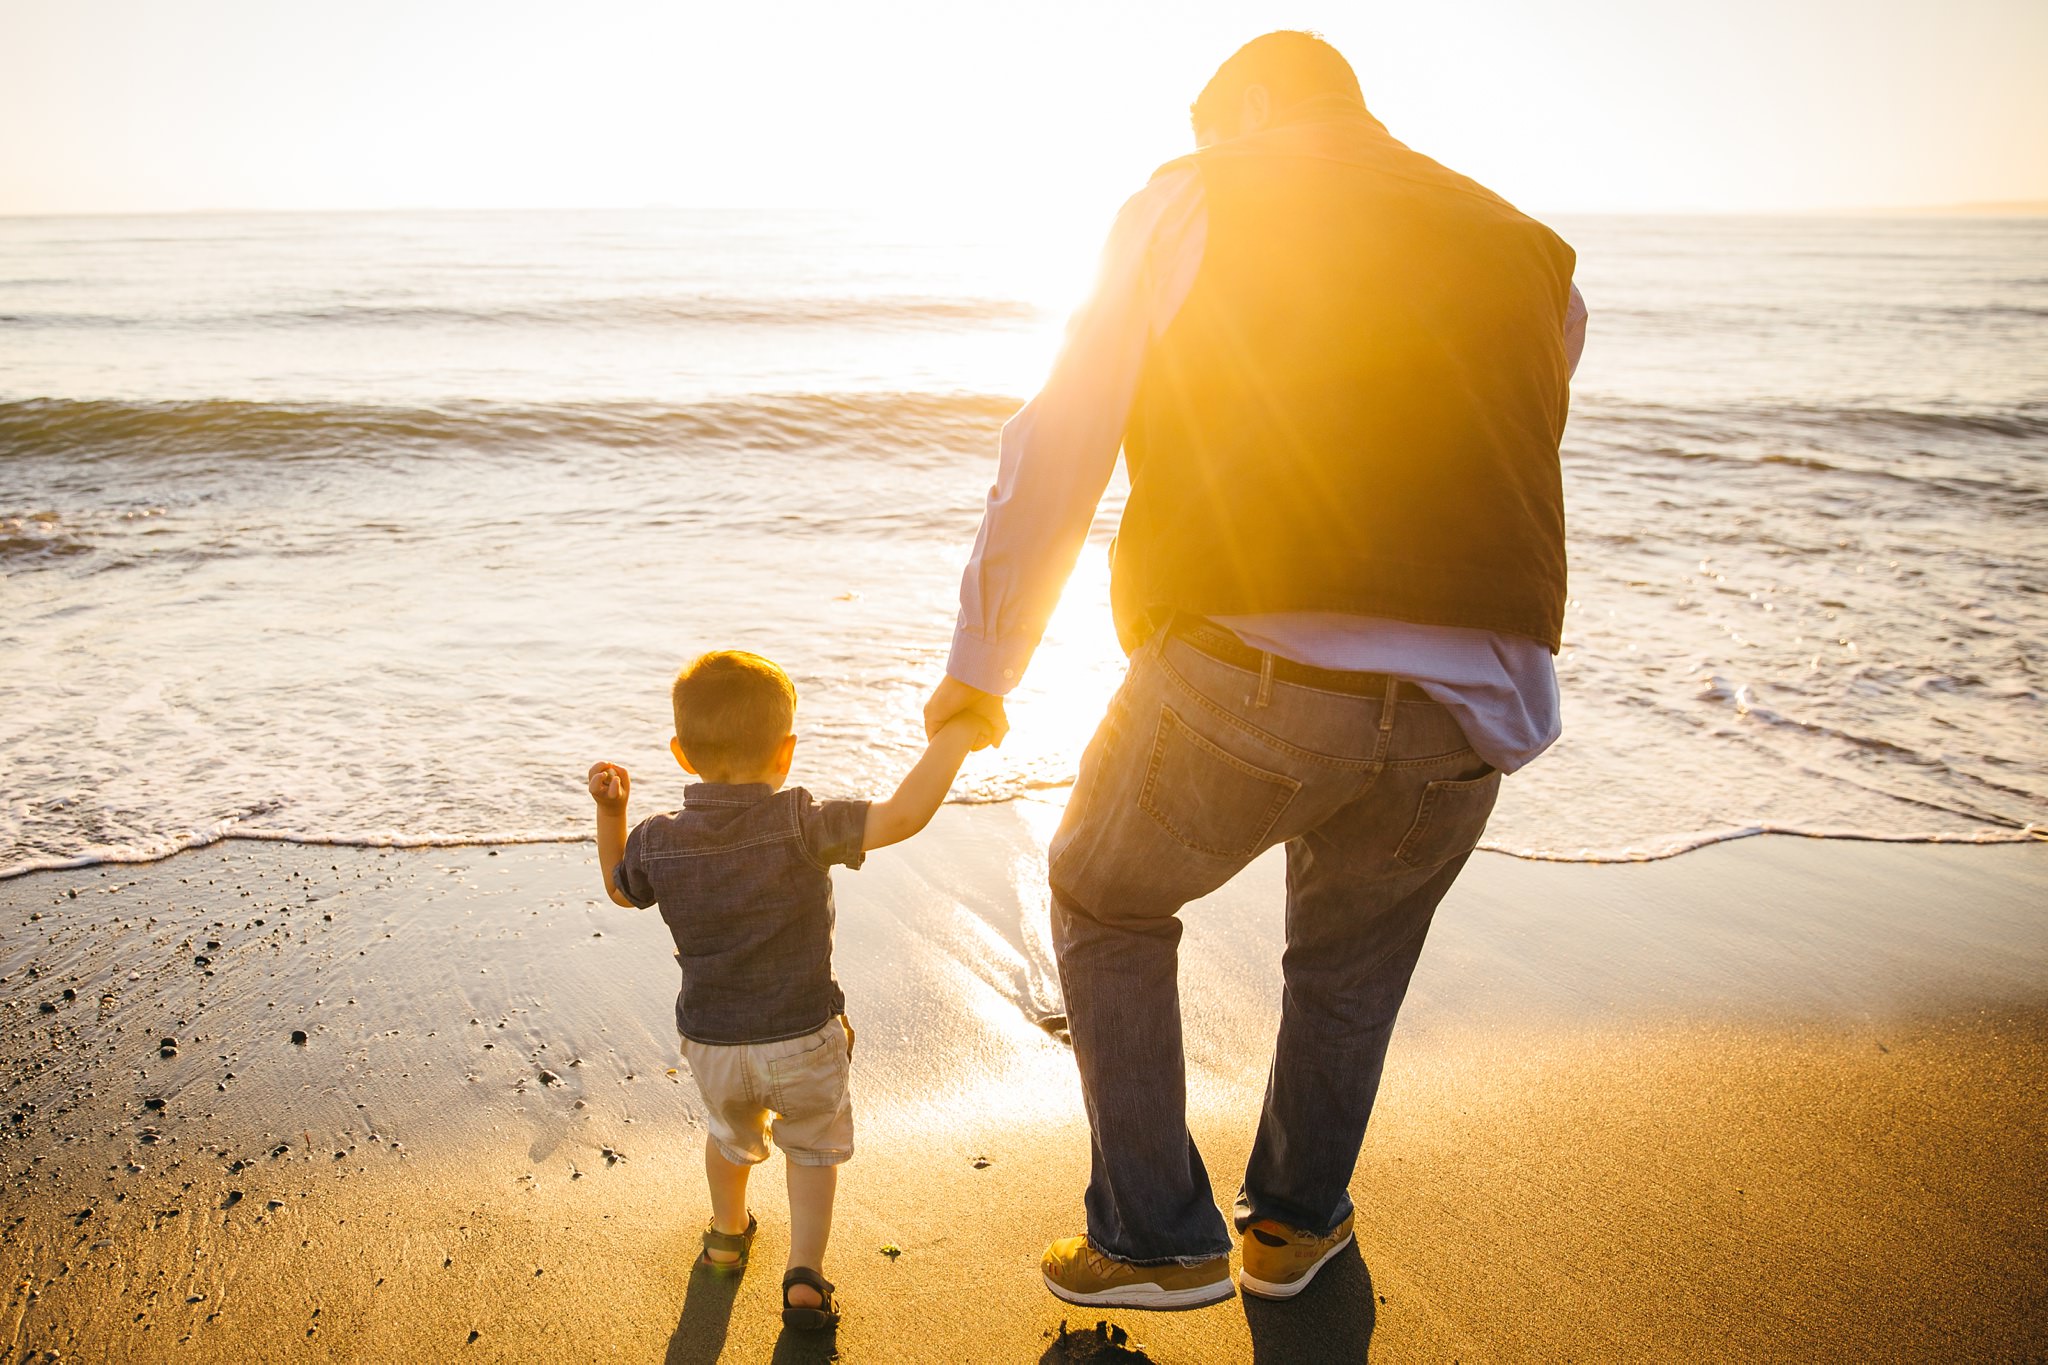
{"x": 809, "y": 1319}
{"x": 737, "y": 1243}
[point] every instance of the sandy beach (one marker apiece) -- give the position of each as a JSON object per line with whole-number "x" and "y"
{"x": 1773, "y": 1099}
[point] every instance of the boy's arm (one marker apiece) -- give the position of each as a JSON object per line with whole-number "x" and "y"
{"x": 609, "y": 787}
{"x": 921, "y": 792}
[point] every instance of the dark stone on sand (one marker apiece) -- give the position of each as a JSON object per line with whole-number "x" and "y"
{"x": 549, "y": 1078}
{"x": 70, "y": 994}
{"x": 202, "y": 961}
{"x": 47, "y": 1008}
{"x": 234, "y": 1198}
{"x": 153, "y": 1102}
{"x": 982, "y": 1163}
{"x": 299, "y": 1036}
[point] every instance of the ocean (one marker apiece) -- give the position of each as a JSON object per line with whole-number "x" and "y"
{"x": 380, "y": 528}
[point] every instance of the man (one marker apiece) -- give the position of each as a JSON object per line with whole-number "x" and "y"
{"x": 1339, "y": 375}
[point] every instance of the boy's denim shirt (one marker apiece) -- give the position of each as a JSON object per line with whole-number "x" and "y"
{"x": 740, "y": 873}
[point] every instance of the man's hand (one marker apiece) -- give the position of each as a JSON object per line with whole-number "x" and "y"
{"x": 952, "y": 696}
{"x": 609, "y": 787}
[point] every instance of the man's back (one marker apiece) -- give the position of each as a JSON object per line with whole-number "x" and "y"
{"x": 1358, "y": 407}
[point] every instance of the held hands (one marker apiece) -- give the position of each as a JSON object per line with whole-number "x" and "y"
{"x": 609, "y": 787}
{"x": 952, "y": 697}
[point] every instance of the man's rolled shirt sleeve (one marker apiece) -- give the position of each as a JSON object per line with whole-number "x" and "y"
{"x": 1056, "y": 456}
{"x": 629, "y": 878}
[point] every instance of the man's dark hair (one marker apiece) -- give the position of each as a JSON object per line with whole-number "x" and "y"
{"x": 732, "y": 710}
{"x": 1291, "y": 64}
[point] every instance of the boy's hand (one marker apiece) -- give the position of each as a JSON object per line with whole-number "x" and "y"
{"x": 952, "y": 696}
{"x": 975, "y": 724}
{"x": 609, "y": 786}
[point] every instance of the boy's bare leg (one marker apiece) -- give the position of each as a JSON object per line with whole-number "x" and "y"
{"x": 810, "y": 1224}
{"x": 728, "y": 1197}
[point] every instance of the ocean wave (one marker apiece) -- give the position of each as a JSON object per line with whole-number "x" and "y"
{"x": 1736, "y": 421}
{"x": 1657, "y": 850}
{"x": 1674, "y": 845}
{"x": 884, "y": 310}
{"x": 39, "y": 535}
{"x": 880, "y": 423}
{"x": 1985, "y": 458}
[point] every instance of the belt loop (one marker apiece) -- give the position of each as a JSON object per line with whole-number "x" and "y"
{"x": 1386, "y": 735}
{"x": 1265, "y": 693}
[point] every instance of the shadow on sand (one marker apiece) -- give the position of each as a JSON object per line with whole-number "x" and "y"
{"x": 1330, "y": 1320}
{"x": 804, "y": 1348}
{"x": 707, "y": 1312}
{"x": 707, "y": 1309}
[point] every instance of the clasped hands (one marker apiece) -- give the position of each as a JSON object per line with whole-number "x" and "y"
{"x": 951, "y": 697}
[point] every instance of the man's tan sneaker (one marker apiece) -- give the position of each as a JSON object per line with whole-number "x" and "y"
{"x": 1279, "y": 1261}
{"x": 1078, "y": 1273}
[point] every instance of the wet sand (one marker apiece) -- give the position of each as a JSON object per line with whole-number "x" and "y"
{"x": 1772, "y": 1099}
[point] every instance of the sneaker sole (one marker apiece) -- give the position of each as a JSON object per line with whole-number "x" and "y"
{"x": 1265, "y": 1289}
{"x": 1146, "y": 1295}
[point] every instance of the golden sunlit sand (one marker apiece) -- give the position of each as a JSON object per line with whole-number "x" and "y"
{"x": 1776, "y": 1098}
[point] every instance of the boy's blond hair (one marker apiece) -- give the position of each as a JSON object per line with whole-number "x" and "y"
{"x": 732, "y": 710}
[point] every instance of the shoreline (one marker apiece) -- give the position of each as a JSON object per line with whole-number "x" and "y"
{"x": 1774, "y": 1098}
{"x": 1673, "y": 846}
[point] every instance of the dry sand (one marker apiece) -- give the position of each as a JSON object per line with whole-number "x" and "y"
{"x": 1777, "y": 1099}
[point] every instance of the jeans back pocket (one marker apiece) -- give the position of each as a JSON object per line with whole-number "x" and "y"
{"x": 1212, "y": 801}
{"x": 1449, "y": 820}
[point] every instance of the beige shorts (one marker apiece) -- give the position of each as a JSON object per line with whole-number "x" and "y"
{"x": 796, "y": 1088}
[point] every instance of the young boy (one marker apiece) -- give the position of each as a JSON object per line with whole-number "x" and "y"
{"x": 741, "y": 876}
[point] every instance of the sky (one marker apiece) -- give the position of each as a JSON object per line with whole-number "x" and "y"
{"x": 139, "y": 106}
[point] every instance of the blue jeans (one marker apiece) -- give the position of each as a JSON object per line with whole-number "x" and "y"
{"x": 1198, "y": 768}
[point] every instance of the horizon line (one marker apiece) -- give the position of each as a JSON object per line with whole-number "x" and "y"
{"x": 1987, "y": 208}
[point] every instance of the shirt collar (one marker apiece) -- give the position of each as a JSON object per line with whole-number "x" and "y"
{"x": 699, "y": 794}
